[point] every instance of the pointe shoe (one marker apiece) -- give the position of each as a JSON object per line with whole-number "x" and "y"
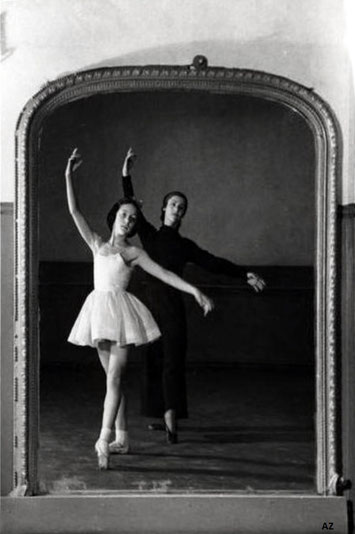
{"x": 116, "y": 447}
{"x": 102, "y": 451}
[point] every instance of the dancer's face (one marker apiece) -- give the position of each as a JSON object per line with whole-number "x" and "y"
{"x": 126, "y": 219}
{"x": 174, "y": 211}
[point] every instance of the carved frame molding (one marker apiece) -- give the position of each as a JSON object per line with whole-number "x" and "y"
{"x": 196, "y": 77}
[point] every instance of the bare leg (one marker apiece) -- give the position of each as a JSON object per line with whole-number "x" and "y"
{"x": 121, "y": 419}
{"x": 113, "y": 360}
{"x": 121, "y": 443}
{"x": 170, "y": 423}
{"x": 170, "y": 420}
{"x": 116, "y": 367}
{"x": 121, "y": 423}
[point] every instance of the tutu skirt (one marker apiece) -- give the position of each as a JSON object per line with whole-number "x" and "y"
{"x": 114, "y": 315}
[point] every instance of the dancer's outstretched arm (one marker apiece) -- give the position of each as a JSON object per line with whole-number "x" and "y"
{"x": 138, "y": 256}
{"x": 215, "y": 264}
{"x": 73, "y": 164}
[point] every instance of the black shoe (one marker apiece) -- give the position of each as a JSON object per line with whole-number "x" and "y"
{"x": 171, "y": 437}
{"x": 156, "y": 426}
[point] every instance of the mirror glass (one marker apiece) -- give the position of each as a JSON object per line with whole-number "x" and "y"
{"x": 247, "y": 167}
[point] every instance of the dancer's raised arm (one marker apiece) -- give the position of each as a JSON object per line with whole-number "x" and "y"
{"x": 145, "y": 229}
{"x": 85, "y": 231}
{"x": 128, "y": 162}
{"x": 138, "y": 256}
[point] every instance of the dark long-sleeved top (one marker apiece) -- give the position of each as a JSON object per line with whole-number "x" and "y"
{"x": 168, "y": 248}
{"x": 164, "y": 384}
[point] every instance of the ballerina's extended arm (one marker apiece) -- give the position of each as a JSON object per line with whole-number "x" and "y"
{"x": 138, "y": 256}
{"x": 85, "y": 231}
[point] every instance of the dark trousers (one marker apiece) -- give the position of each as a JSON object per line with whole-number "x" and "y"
{"x": 163, "y": 378}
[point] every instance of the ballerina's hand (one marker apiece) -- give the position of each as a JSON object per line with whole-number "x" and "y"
{"x": 128, "y": 162}
{"x": 74, "y": 161}
{"x": 256, "y": 282}
{"x": 205, "y": 302}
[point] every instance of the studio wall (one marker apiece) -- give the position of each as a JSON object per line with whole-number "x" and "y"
{"x": 308, "y": 43}
{"x": 246, "y": 166}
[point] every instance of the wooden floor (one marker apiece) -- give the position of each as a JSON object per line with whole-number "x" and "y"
{"x": 249, "y": 430}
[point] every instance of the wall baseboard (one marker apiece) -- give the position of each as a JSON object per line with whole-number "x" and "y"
{"x": 158, "y": 514}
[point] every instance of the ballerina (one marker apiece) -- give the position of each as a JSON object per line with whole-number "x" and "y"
{"x": 112, "y": 319}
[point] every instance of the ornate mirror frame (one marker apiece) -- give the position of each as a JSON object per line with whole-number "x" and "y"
{"x": 196, "y": 77}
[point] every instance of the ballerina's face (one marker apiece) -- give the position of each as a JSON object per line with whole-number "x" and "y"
{"x": 126, "y": 219}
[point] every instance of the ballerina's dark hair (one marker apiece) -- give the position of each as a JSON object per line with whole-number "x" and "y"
{"x": 111, "y": 216}
{"x": 168, "y": 197}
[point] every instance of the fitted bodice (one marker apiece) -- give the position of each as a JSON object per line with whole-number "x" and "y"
{"x": 111, "y": 273}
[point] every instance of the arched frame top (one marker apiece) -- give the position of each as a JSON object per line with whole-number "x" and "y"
{"x": 197, "y": 77}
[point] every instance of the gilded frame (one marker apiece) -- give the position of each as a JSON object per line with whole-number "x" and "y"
{"x": 196, "y": 77}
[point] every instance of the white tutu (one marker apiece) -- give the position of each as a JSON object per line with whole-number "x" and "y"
{"x": 117, "y": 316}
{"x": 110, "y": 312}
